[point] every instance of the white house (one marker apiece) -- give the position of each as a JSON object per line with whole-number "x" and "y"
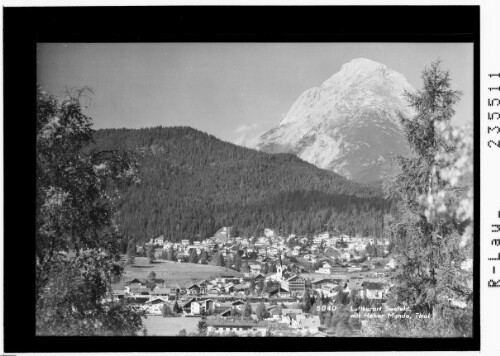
{"x": 195, "y": 307}
{"x": 255, "y": 269}
{"x": 391, "y": 264}
{"x": 326, "y": 269}
{"x": 372, "y": 290}
{"x": 240, "y": 327}
{"x": 159, "y": 240}
{"x": 154, "y": 306}
{"x": 268, "y": 232}
{"x": 307, "y": 322}
{"x": 360, "y": 246}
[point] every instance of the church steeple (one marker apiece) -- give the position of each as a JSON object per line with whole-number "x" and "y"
{"x": 279, "y": 268}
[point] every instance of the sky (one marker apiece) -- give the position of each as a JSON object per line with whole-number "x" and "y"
{"x": 230, "y": 90}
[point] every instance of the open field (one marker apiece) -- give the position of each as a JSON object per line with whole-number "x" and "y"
{"x": 175, "y": 271}
{"x": 156, "y": 325}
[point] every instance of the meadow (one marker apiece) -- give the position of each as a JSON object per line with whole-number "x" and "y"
{"x": 156, "y": 325}
{"x": 175, "y": 272}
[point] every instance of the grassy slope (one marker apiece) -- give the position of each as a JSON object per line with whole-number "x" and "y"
{"x": 174, "y": 271}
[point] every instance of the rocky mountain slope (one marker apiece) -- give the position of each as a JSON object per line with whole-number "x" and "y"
{"x": 348, "y": 125}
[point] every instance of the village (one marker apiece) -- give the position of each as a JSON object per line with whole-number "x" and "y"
{"x": 276, "y": 286}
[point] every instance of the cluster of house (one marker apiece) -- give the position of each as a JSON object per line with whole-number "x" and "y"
{"x": 212, "y": 295}
{"x": 271, "y": 244}
{"x": 183, "y": 248}
{"x": 336, "y": 268}
{"x": 287, "y": 319}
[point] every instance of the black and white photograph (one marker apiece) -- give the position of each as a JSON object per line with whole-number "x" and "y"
{"x": 255, "y": 189}
{"x": 191, "y": 178}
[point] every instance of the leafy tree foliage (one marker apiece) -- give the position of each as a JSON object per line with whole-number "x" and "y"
{"x": 77, "y": 237}
{"x": 428, "y": 237}
{"x": 165, "y": 310}
{"x": 247, "y": 311}
{"x": 342, "y": 298}
{"x": 306, "y": 302}
{"x": 262, "y": 312}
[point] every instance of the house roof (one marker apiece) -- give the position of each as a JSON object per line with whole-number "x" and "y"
{"x": 135, "y": 280}
{"x": 155, "y": 301}
{"x": 326, "y": 280}
{"x": 171, "y": 286}
{"x": 372, "y": 285}
{"x": 276, "y": 311}
{"x": 236, "y": 323}
{"x": 238, "y": 302}
{"x": 260, "y": 275}
{"x": 241, "y": 286}
{"x": 183, "y": 304}
{"x": 192, "y": 286}
{"x": 226, "y": 312}
{"x": 279, "y": 290}
{"x": 118, "y": 286}
{"x": 292, "y": 311}
{"x": 140, "y": 290}
{"x": 162, "y": 290}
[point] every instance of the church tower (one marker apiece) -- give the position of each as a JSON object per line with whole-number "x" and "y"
{"x": 279, "y": 268}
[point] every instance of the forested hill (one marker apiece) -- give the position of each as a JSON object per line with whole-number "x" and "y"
{"x": 193, "y": 183}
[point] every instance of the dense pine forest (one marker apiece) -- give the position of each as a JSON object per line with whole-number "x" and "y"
{"x": 192, "y": 184}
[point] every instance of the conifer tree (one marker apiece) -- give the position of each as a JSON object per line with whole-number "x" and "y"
{"x": 262, "y": 312}
{"x": 306, "y": 302}
{"x": 247, "y": 312}
{"x": 429, "y": 276}
{"x": 164, "y": 310}
{"x": 130, "y": 253}
{"x": 203, "y": 257}
{"x": 193, "y": 258}
{"x": 237, "y": 262}
{"x": 171, "y": 254}
{"x": 220, "y": 259}
{"x": 202, "y": 327}
{"x": 151, "y": 254}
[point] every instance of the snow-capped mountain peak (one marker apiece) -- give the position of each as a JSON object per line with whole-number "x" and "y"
{"x": 348, "y": 124}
